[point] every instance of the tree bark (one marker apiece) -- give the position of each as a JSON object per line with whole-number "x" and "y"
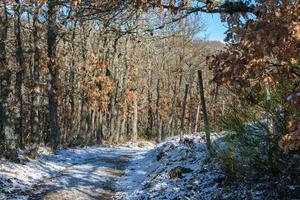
{"x": 158, "y": 114}
{"x": 173, "y": 111}
{"x": 52, "y": 76}
{"x": 149, "y": 98}
{"x": 206, "y": 122}
{"x": 99, "y": 134}
{"x": 35, "y": 95}
{"x": 190, "y": 107}
{"x": 183, "y": 111}
{"x": 123, "y": 88}
{"x": 71, "y": 121}
{"x": 19, "y": 75}
{"x": 5, "y": 77}
{"x": 135, "y": 119}
{"x": 123, "y": 124}
{"x": 197, "y": 119}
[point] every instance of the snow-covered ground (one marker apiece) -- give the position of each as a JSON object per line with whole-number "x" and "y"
{"x": 173, "y": 170}
{"x": 18, "y": 180}
{"x": 184, "y": 170}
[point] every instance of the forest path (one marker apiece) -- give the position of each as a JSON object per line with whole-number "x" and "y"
{"x": 93, "y": 178}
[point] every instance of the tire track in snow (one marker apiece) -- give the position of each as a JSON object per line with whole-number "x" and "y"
{"x": 93, "y": 179}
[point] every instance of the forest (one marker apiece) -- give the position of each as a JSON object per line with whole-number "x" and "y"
{"x": 101, "y": 74}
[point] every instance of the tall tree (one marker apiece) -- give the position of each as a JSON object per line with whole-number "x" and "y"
{"x": 20, "y": 73}
{"x": 35, "y": 93}
{"x": 5, "y": 76}
{"x": 203, "y": 106}
{"x": 52, "y": 79}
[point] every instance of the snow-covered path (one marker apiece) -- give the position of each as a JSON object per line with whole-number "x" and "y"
{"x": 171, "y": 170}
{"x": 77, "y": 174}
{"x": 93, "y": 179}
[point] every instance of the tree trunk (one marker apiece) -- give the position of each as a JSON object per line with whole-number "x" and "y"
{"x": 177, "y": 116}
{"x": 35, "y": 96}
{"x": 197, "y": 119}
{"x": 82, "y": 103}
{"x": 183, "y": 111}
{"x": 52, "y": 76}
{"x": 99, "y": 134}
{"x": 190, "y": 108}
{"x": 173, "y": 112}
{"x": 112, "y": 111}
{"x": 19, "y": 75}
{"x": 123, "y": 86}
{"x": 116, "y": 134}
{"x": 5, "y": 78}
{"x": 158, "y": 114}
{"x": 71, "y": 121}
{"x": 123, "y": 125}
{"x": 150, "y": 112}
{"x": 135, "y": 119}
{"x": 206, "y": 122}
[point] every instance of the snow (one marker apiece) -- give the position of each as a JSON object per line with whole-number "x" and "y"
{"x": 291, "y": 96}
{"x": 171, "y": 170}
{"x": 19, "y": 178}
{"x": 148, "y": 177}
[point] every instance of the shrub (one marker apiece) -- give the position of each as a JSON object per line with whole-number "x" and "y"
{"x": 249, "y": 148}
{"x": 148, "y": 135}
{"x": 12, "y": 155}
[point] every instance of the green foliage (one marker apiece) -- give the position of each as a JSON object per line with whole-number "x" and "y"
{"x": 233, "y": 122}
{"x": 228, "y": 160}
{"x": 242, "y": 155}
{"x": 76, "y": 141}
{"x": 235, "y": 119}
{"x": 148, "y": 135}
{"x": 250, "y": 148}
{"x": 12, "y": 155}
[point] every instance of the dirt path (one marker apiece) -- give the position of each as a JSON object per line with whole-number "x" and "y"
{"x": 93, "y": 179}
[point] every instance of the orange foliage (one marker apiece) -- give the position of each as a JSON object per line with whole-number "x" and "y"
{"x": 291, "y": 141}
{"x": 98, "y": 85}
{"x": 260, "y": 50}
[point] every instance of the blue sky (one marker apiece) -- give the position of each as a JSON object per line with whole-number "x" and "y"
{"x": 215, "y": 28}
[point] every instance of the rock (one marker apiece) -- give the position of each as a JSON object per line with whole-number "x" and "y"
{"x": 160, "y": 155}
{"x": 169, "y": 147}
{"x": 203, "y": 170}
{"x": 141, "y": 145}
{"x": 178, "y": 172}
{"x": 219, "y": 179}
{"x": 188, "y": 142}
{"x": 32, "y": 153}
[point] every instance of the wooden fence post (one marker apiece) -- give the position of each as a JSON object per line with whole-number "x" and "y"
{"x": 183, "y": 111}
